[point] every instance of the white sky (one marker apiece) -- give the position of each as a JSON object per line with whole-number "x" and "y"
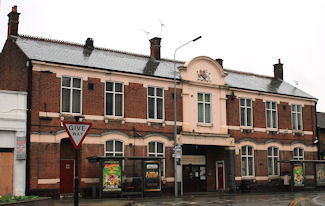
{"x": 248, "y": 35}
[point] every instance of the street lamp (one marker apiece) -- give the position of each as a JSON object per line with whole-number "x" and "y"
{"x": 175, "y": 116}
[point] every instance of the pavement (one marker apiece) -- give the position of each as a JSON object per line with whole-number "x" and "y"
{"x": 306, "y": 198}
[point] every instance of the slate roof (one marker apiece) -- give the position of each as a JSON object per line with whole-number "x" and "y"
{"x": 54, "y": 51}
{"x": 321, "y": 120}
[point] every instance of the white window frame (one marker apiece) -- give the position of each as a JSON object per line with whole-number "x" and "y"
{"x": 114, "y": 152}
{"x": 245, "y": 107}
{"x": 113, "y": 101}
{"x": 271, "y": 111}
{"x": 156, "y": 154}
{"x": 274, "y": 158}
{"x": 155, "y": 97}
{"x": 247, "y": 156}
{"x": 71, "y": 88}
{"x": 297, "y": 156}
{"x": 204, "y": 103}
{"x": 295, "y": 121}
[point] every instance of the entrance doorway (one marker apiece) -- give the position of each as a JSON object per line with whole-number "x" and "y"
{"x": 220, "y": 175}
{"x": 194, "y": 178}
{"x": 66, "y": 166}
{"x": 6, "y": 168}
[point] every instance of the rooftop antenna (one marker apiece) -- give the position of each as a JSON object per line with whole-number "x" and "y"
{"x": 146, "y": 32}
{"x": 161, "y": 27}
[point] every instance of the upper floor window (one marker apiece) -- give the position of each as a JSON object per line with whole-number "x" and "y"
{"x": 114, "y": 148}
{"x": 246, "y": 114}
{"x": 296, "y": 116}
{"x": 271, "y": 114}
{"x": 114, "y": 99}
{"x": 156, "y": 149}
{"x": 298, "y": 153}
{"x": 155, "y": 103}
{"x": 71, "y": 92}
{"x": 204, "y": 107}
{"x": 272, "y": 161}
{"x": 247, "y": 161}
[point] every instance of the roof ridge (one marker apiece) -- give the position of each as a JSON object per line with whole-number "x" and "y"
{"x": 98, "y": 48}
{"x": 248, "y": 73}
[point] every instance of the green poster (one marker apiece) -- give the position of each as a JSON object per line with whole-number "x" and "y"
{"x": 298, "y": 175}
{"x": 111, "y": 176}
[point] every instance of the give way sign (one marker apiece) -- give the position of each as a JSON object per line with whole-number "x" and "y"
{"x": 77, "y": 132}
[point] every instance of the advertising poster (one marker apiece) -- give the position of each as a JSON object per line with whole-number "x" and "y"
{"x": 320, "y": 174}
{"x": 298, "y": 175}
{"x": 152, "y": 176}
{"x": 112, "y": 176}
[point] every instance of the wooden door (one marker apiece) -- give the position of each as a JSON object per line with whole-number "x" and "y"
{"x": 220, "y": 175}
{"x": 66, "y": 176}
{"x": 6, "y": 172}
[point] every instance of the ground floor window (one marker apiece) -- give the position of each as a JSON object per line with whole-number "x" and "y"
{"x": 247, "y": 161}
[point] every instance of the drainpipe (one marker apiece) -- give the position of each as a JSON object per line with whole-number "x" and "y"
{"x": 28, "y": 131}
{"x": 317, "y": 135}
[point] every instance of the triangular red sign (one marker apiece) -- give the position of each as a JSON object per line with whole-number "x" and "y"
{"x": 77, "y": 132}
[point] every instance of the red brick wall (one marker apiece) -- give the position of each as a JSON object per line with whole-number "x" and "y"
{"x": 13, "y": 69}
{"x": 44, "y": 164}
{"x": 214, "y": 154}
{"x": 258, "y": 113}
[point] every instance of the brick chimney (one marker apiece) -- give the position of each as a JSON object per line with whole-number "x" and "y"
{"x": 220, "y": 62}
{"x": 155, "y": 47}
{"x": 88, "y": 47}
{"x": 13, "y": 22}
{"x": 278, "y": 70}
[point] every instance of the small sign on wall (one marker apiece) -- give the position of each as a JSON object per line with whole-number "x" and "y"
{"x": 21, "y": 148}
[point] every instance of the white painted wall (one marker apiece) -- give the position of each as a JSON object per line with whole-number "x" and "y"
{"x": 12, "y": 125}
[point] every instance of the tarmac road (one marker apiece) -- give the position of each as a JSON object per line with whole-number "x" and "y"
{"x": 310, "y": 198}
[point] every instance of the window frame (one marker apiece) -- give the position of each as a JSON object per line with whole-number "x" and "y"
{"x": 296, "y": 121}
{"x": 298, "y": 157}
{"x": 245, "y": 107}
{"x": 114, "y": 150}
{"x": 71, "y": 88}
{"x": 113, "y": 101}
{"x": 271, "y": 114}
{"x": 155, "y": 97}
{"x": 204, "y": 103}
{"x": 163, "y": 169}
{"x": 274, "y": 160}
{"x": 247, "y": 162}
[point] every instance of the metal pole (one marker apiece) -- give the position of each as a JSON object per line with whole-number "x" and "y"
{"x": 76, "y": 181}
{"x": 175, "y": 116}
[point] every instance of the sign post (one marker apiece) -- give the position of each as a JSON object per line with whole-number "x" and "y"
{"x": 77, "y": 133}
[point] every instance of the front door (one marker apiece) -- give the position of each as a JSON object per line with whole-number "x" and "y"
{"x": 220, "y": 175}
{"x": 194, "y": 178}
{"x": 66, "y": 176}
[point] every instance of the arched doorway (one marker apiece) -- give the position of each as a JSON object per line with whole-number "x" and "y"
{"x": 67, "y": 153}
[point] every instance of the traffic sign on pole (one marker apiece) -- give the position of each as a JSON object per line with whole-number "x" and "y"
{"x": 77, "y": 132}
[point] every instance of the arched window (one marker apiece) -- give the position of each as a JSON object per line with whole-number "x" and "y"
{"x": 157, "y": 149}
{"x": 114, "y": 148}
{"x": 247, "y": 161}
{"x": 298, "y": 153}
{"x": 273, "y": 165}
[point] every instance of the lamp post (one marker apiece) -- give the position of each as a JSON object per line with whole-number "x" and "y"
{"x": 175, "y": 116}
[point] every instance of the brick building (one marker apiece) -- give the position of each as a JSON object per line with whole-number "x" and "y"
{"x": 321, "y": 134}
{"x": 233, "y": 126}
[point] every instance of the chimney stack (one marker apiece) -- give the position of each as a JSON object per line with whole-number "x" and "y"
{"x": 278, "y": 70}
{"x": 13, "y": 22}
{"x": 88, "y": 47}
{"x": 155, "y": 47}
{"x": 220, "y": 62}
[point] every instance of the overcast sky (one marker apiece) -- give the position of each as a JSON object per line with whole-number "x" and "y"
{"x": 248, "y": 35}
